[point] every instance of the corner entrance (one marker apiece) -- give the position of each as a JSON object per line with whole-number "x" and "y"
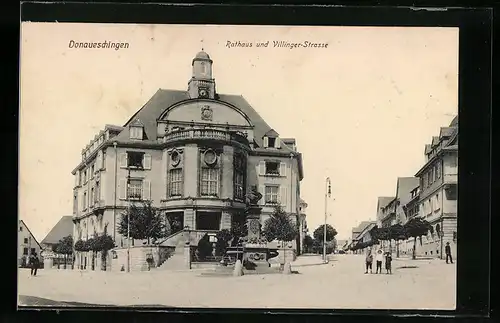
{"x": 208, "y": 220}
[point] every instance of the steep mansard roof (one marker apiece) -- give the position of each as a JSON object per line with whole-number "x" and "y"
{"x": 163, "y": 99}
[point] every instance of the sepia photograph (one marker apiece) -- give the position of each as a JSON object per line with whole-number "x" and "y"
{"x": 238, "y": 166}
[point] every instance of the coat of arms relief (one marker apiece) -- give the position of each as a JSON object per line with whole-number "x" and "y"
{"x": 206, "y": 113}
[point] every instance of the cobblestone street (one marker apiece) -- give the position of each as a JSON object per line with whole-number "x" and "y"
{"x": 417, "y": 284}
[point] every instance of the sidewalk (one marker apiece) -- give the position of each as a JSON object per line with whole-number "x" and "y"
{"x": 308, "y": 260}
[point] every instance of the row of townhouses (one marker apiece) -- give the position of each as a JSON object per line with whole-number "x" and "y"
{"x": 195, "y": 154}
{"x": 430, "y": 194}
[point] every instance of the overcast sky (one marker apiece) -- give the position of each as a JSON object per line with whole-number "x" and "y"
{"x": 361, "y": 109}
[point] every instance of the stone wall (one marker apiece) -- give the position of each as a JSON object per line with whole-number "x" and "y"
{"x": 138, "y": 258}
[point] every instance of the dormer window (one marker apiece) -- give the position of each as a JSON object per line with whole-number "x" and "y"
{"x": 271, "y": 139}
{"x": 137, "y": 130}
{"x": 136, "y": 133}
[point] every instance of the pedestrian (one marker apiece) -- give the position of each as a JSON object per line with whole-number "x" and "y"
{"x": 34, "y": 262}
{"x": 388, "y": 262}
{"x": 447, "y": 251}
{"x": 379, "y": 257}
{"x": 369, "y": 260}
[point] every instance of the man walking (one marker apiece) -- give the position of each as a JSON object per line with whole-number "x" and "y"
{"x": 447, "y": 251}
{"x": 34, "y": 262}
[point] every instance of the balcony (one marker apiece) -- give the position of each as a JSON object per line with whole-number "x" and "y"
{"x": 205, "y": 134}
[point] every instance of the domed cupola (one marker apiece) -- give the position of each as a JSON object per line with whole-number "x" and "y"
{"x": 202, "y": 84}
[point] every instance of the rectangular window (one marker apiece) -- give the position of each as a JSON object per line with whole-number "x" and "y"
{"x": 25, "y": 240}
{"x": 92, "y": 196}
{"x": 20, "y": 229}
{"x": 33, "y": 250}
{"x": 271, "y": 142}
{"x": 438, "y": 169}
{"x": 209, "y": 181}
{"x": 136, "y": 133}
{"x": 84, "y": 200}
{"x": 75, "y": 203}
{"x": 96, "y": 193}
{"x": 135, "y": 189}
{"x": 103, "y": 165}
{"x": 135, "y": 159}
{"x": 238, "y": 186}
{"x": 272, "y": 168}
{"x": 175, "y": 182}
{"x": 92, "y": 171}
{"x": 25, "y": 251}
{"x": 85, "y": 176}
{"x": 272, "y": 194}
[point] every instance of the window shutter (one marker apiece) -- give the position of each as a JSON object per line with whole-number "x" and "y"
{"x": 146, "y": 190}
{"x": 122, "y": 189}
{"x": 123, "y": 160}
{"x": 277, "y": 142}
{"x": 262, "y": 167}
{"x": 266, "y": 142}
{"x": 283, "y": 197}
{"x": 147, "y": 161}
{"x": 262, "y": 190}
{"x": 282, "y": 169}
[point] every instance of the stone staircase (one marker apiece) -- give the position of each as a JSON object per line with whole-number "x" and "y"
{"x": 176, "y": 261}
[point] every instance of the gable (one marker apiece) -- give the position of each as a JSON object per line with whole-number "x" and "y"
{"x": 63, "y": 228}
{"x": 25, "y": 227}
{"x": 215, "y": 113}
{"x": 271, "y": 133}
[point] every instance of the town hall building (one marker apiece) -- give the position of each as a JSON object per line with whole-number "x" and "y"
{"x": 195, "y": 154}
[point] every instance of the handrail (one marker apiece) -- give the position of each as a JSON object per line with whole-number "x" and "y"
{"x": 215, "y": 134}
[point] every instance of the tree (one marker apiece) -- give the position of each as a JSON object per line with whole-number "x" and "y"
{"x": 103, "y": 243}
{"x": 317, "y": 246}
{"x": 64, "y": 247}
{"x": 223, "y": 238}
{"x": 397, "y": 233}
{"x": 318, "y": 234}
{"x": 279, "y": 226}
{"x": 238, "y": 231}
{"x": 205, "y": 247}
{"x": 146, "y": 222}
{"x": 308, "y": 243}
{"x": 91, "y": 245}
{"x": 82, "y": 246}
{"x": 417, "y": 227}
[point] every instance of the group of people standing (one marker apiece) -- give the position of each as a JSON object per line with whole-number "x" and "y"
{"x": 380, "y": 256}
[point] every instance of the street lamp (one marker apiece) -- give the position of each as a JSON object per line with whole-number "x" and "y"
{"x": 328, "y": 193}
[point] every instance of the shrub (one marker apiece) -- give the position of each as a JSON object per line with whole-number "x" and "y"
{"x": 204, "y": 247}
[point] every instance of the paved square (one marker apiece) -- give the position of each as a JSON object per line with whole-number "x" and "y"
{"x": 414, "y": 284}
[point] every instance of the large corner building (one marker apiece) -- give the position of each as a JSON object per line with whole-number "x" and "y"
{"x": 195, "y": 154}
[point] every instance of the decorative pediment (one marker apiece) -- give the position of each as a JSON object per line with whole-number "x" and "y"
{"x": 137, "y": 123}
{"x": 271, "y": 134}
